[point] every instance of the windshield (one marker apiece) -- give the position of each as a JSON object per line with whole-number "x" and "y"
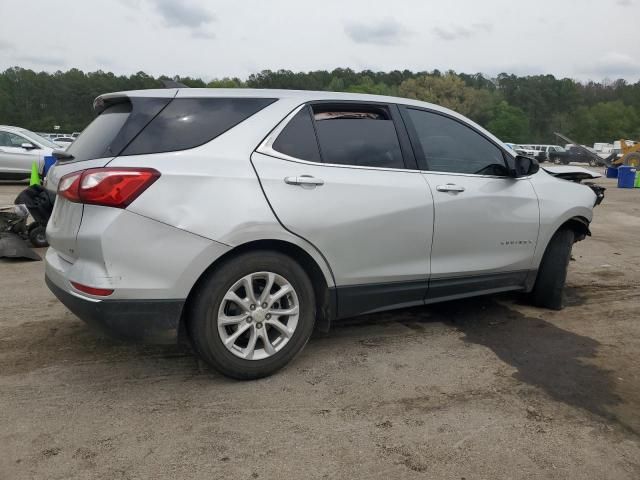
{"x": 38, "y": 139}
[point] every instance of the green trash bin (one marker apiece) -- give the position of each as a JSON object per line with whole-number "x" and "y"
{"x": 637, "y": 184}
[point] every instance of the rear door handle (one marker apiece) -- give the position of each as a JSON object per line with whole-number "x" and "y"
{"x": 450, "y": 187}
{"x": 304, "y": 180}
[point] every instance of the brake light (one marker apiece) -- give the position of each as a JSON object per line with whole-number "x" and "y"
{"x": 110, "y": 187}
{"x": 99, "y": 292}
{"x": 68, "y": 186}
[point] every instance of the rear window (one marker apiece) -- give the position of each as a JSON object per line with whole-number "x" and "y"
{"x": 97, "y": 139}
{"x": 190, "y": 122}
{"x": 153, "y": 125}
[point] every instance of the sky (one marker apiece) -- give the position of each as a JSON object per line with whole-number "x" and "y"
{"x": 584, "y": 40}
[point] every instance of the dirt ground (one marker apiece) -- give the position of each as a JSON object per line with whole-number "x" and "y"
{"x": 486, "y": 388}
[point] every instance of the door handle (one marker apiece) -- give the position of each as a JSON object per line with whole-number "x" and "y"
{"x": 304, "y": 180}
{"x": 450, "y": 187}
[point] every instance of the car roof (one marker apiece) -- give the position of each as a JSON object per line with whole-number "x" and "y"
{"x": 302, "y": 95}
{"x": 11, "y": 128}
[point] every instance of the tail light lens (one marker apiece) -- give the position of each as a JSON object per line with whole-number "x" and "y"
{"x": 68, "y": 187}
{"x": 110, "y": 187}
{"x": 98, "y": 292}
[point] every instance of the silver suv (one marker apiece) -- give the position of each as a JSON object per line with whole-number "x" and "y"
{"x": 239, "y": 219}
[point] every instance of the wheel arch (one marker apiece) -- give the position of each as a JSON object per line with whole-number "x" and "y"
{"x": 326, "y": 300}
{"x": 576, "y": 220}
{"x": 579, "y": 225}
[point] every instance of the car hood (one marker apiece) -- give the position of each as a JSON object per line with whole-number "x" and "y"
{"x": 569, "y": 172}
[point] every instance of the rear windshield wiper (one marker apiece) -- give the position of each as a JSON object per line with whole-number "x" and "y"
{"x": 62, "y": 155}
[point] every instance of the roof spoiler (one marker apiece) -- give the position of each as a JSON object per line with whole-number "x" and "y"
{"x": 108, "y": 99}
{"x": 173, "y": 84}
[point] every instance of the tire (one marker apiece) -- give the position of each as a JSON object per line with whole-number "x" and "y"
{"x": 549, "y": 287}
{"x": 212, "y": 303}
{"x": 37, "y": 235}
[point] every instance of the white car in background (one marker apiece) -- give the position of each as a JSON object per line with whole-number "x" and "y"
{"x": 63, "y": 142}
{"x": 19, "y": 148}
{"x": 527, "y": 150}
{"x": 522, "y": 149}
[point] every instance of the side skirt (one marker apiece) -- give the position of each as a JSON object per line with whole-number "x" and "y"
{"x": 355, "y": 300}
{"x": 444, "y": 289}
{"x": 352, "y": 300}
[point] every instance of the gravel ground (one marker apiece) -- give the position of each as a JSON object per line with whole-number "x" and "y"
{"x": 484, "y": 388}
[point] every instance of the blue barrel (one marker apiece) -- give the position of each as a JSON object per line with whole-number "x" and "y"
{"x": 48, "y": 163}
{"x": 626, "y": 176}
{"x": 611, "y": 172}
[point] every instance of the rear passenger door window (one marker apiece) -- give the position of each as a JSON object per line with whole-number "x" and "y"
{"x": 448, "y": 145}
{"x": 352, "y": 134}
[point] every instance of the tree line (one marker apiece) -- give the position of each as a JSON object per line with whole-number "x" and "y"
{"x": 520, "y": 109}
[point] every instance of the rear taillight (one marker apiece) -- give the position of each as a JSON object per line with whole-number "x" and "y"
{"x": 110, "y": 187}
{"x": 98, "y": 292}
{"x": 68, "y": 186}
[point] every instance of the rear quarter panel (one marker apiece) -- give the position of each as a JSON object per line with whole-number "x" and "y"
{"x": 213, "y": 191}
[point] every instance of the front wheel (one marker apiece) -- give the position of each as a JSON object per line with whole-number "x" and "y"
{"x": 548, "y": 291}
{"x": 252, "y": 315}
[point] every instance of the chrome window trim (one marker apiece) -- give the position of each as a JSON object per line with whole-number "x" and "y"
{"x": 458, "y": 174}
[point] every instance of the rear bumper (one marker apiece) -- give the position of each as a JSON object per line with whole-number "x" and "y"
{"x": 148, "y": 321}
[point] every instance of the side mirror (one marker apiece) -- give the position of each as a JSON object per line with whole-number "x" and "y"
{"x": 524, "y": 166}
{"x": 28, "y": 146}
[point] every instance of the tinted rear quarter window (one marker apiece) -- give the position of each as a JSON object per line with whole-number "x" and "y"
{"x": 190, "y": 122}
{"x": 298, "y": 138}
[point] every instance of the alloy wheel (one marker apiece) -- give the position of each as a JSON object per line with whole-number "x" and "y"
{"x": 258, "y": 315}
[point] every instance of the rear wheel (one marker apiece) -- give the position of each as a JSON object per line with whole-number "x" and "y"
{"x": 548, "y": 290}
{"x": 252, "y": 315}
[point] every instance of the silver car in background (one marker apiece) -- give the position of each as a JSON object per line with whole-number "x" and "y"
{"x": 19, "y": 149}
{"x": 240, "y": 219}
{"x": 63, "y": 142}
